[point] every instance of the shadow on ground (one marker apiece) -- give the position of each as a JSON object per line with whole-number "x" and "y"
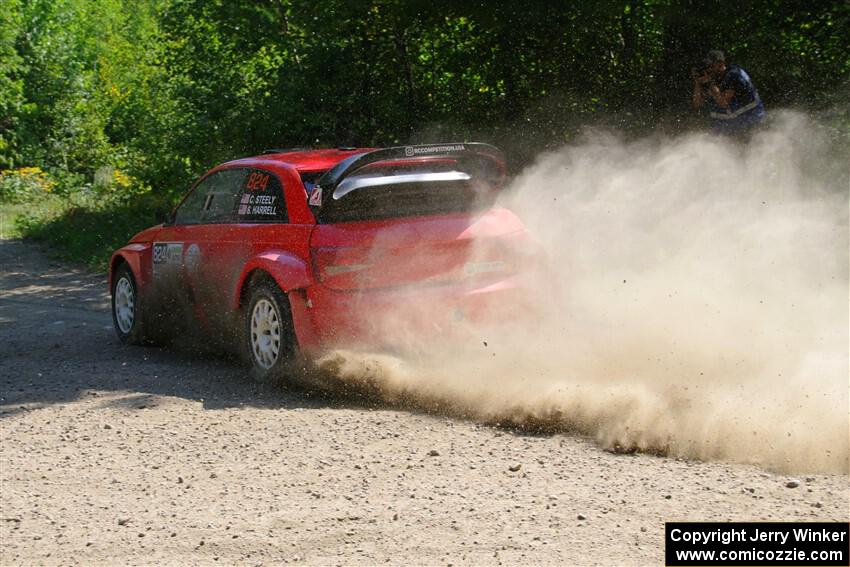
{"x": 57, "y": 345}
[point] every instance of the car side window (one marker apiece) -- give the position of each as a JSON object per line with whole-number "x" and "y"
{"x": 213, "y": 200}
{"x": 191, "y": 209}
{"x": 223, "y": 194}
{"x": 262, "y": 199}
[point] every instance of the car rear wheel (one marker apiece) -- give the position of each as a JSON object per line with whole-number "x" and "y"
{"x": 125, "y": 307}
{"x": 271, "y": 345}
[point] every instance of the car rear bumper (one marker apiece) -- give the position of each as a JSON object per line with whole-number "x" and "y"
{"x": 405, "y": 317}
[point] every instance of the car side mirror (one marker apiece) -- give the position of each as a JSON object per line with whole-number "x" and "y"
{"x": 166, "y": 218}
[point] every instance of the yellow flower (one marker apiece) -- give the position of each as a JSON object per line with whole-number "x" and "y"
{"x": 122, "y": 179}
{"x": 32, "y": 175}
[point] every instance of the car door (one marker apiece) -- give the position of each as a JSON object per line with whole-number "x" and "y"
{"x": 168, "y": 249}
{"x": 193, "y": 252}
{"x": 213, "y": 251}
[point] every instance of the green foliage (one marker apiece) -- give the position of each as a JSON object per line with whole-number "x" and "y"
{"x": 24, "y": 185}
{"x": 160, "y": 90}
{"x": 11, "y": 84}
{"x": 86, "y": 228}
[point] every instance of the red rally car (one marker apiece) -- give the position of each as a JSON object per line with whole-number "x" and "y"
{"x": 295, "y": 252}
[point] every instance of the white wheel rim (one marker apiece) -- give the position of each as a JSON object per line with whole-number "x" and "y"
{"x": 125, "y": 305}
{"x": 265, "y": 333}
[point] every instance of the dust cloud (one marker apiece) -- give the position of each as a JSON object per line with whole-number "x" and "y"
{"x": 693, "y": 302}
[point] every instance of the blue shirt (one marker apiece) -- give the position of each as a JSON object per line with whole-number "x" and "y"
{"x": 745, "y": 109}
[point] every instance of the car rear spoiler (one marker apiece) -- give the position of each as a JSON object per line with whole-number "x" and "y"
{"x": 489, "y": 156}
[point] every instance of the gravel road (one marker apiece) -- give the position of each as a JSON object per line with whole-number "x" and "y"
{"x": 115, "y": 455}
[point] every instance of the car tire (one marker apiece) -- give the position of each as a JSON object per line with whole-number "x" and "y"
{"x": 271, "y": 347}
{"x": 126, "y": 308}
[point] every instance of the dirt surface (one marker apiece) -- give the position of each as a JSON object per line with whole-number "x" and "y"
{"x": 126, "y": 455}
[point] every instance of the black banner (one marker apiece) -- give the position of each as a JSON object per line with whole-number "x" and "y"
{"x": 690, "y": 544}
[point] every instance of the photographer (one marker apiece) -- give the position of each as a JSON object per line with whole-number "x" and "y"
{"x": 728, "y": 93}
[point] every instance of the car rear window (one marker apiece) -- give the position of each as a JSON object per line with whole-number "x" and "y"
{"x": 407, "y": 199}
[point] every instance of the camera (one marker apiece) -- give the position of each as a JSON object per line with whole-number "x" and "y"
{"x": 699, "y": 71}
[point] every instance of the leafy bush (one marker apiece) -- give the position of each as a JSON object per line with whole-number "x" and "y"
{"x": 24, "y": 184}
{"x": 85, "y": 227}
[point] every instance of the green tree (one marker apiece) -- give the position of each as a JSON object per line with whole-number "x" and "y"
{"x": 11, "y": 82}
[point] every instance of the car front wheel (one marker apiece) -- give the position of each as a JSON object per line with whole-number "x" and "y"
{"x": 270, "y": 338}
{"x": 125, "y": 307}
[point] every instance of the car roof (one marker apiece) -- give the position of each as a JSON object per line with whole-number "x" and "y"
{"x": 303, "y": 160}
